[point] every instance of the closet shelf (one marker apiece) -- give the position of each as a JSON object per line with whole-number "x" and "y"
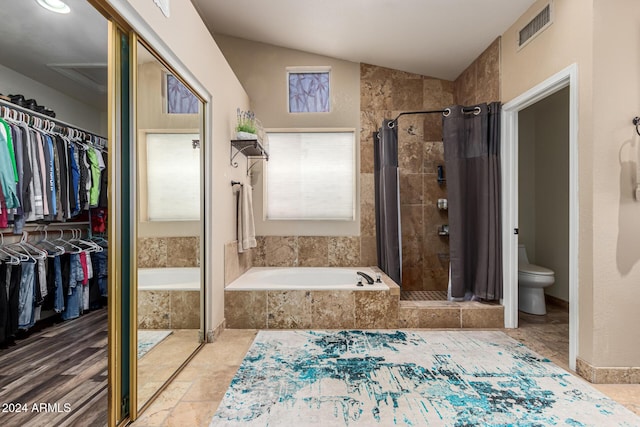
{"x": 247, "y": 147}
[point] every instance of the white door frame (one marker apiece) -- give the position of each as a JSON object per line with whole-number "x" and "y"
{"x": 509, "y": 164}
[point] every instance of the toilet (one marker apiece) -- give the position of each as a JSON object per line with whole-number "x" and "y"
{"x": 532, "y": 279}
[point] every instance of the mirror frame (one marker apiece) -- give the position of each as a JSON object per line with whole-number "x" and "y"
{"x": 119, "y": 377}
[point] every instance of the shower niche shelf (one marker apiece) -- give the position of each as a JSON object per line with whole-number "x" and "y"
{"x": 248, "y": 147}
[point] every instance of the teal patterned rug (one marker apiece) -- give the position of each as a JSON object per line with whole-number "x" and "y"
{"x": 407, "y": 378}
{"x": 149, "y": 338}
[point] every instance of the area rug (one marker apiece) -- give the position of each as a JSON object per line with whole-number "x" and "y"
{"x": 407, "y": 378}
{"x": 147, "y": 339}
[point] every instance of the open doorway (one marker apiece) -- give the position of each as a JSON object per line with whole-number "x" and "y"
{"x": 543, "y": 220}
{"x": 564, "y": 84}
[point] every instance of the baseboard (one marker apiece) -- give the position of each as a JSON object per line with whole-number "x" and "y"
{"x": 213, "y": 334}
{"x": 557, "y": 302}
{"x": 601, "y": 375}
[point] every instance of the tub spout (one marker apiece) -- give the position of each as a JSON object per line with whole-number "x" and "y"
{"x": 368, "y": 278}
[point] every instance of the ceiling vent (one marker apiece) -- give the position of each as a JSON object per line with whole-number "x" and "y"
{"x": 537, "y": 25}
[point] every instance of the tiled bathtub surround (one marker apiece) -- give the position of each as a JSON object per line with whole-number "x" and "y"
{"x": 311, "y": 251}
{"x": 168, "y": 309}
{"x": 236, "y": 264}
{"x": 175, "y": 309}
{"x": 304, "y": 309}
{"x": 449, "y": 314}
{"x": 168, "y": 252}
{"x": 366, "y": 309}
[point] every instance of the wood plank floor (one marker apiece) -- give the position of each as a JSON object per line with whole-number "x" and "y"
{"x": 63, "y": 365}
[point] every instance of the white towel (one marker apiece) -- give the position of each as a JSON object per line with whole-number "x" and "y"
{"x": 246, "y": 226}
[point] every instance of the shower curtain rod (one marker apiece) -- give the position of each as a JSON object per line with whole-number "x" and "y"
{"x": 475, "y": 110}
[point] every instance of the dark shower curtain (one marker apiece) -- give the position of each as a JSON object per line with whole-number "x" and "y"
{"x": 471, "y": 137}
{"x": 387, "y": 195}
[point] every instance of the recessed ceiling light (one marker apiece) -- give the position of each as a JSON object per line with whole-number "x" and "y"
{"x": 57, "y": 6}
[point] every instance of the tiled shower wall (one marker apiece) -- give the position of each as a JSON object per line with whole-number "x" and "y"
{"x": 385, "y": 93}
{"x": 480, "y": 82}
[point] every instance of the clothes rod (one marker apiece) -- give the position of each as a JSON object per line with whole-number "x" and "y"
{"x": 58, "y": 122}
{"x": 34, "y": 226}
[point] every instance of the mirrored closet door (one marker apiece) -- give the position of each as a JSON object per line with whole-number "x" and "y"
{"x": 169, "y": 227}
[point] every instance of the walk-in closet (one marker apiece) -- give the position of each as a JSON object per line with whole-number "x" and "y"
{"x": 53, "y": 216}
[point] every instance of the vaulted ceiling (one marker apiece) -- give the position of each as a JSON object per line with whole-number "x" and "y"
{"x": 439, "y": 38}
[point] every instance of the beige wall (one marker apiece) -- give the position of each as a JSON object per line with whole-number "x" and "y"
{"x": 262, "y": 70}
{"x": 188, "y": 38}
{"x": 601, "y": 37}
{"x": 543, "y": 202}
{"x": 616, "y": 214}
{"x": 567, "y": 41}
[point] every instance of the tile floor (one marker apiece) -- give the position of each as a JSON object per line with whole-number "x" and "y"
{"x": 192, "y": 398}
{"x": 423, "y": 295}
{"x": 155, "y": 367}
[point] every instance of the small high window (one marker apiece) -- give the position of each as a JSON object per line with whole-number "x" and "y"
{"x": 309, "y": 89}
{"x": 180, "y": 100}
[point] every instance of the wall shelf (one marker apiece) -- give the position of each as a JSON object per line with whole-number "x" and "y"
{"x": 249, "y": 148}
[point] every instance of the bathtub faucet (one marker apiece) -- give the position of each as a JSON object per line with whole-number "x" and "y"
{"x": 368, "y": 278}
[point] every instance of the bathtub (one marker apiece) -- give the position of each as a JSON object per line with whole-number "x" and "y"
{"x": 310, "y": 298}
{"x": 304, "y": 278}
{"x": 169, "y": 279}
{"x": 169, "y": 298}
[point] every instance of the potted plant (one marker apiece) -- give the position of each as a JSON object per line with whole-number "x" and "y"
{"x": 246, "y": 127}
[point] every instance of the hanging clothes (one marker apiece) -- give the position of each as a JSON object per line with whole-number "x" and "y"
{"x": 7, "y": 167}
{"x": 46, "y": 176}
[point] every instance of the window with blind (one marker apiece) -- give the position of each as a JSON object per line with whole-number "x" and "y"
{"x": 173, "y": 176}
{"x": 311, "y": 176}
